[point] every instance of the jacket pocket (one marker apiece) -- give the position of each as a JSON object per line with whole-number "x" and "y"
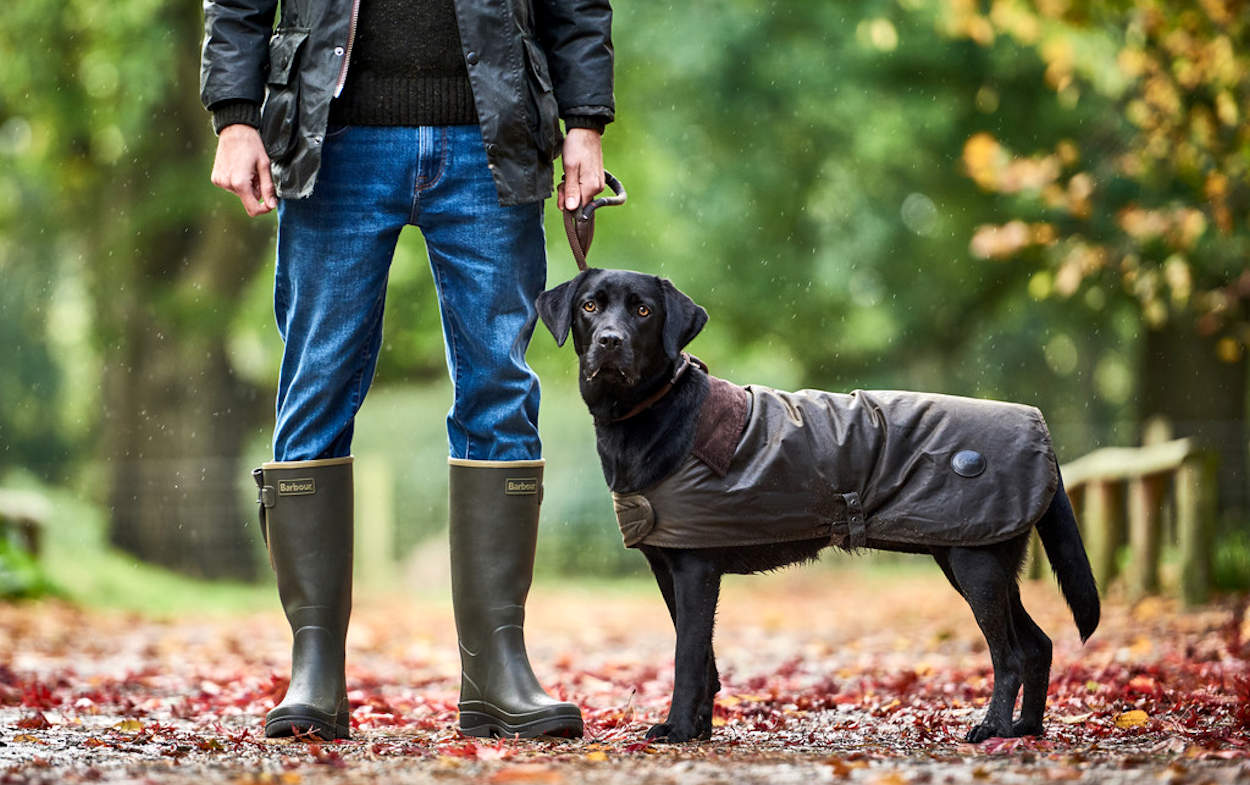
{"x": 279, "y": 117}
{"x": 542, "y": 101}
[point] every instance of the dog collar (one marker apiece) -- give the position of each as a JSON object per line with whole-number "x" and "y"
{"x": 687, "y": 360}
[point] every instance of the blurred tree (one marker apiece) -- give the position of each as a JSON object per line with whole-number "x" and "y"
{"x": 1150, "y": 203}
{"x": 31, "y": 385}
{"x": 112, "y": 170}
{"x": 796, "y": 168}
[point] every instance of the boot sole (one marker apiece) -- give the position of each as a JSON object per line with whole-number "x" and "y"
{"x": 486, "y": 724}
{"x": 303, "y": 720}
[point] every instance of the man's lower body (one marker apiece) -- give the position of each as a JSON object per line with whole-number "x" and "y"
{"x": 489, "y": 264}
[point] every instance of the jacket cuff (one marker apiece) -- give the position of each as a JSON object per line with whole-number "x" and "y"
{"x": 231, "y": 112}
{"x": 583, "y": 121}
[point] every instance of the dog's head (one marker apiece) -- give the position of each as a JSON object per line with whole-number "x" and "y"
{"x": 627, "y": 327}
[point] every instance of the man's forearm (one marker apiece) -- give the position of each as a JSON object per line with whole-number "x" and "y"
{"x": 235, "y": 56}
{"x": 577, "y": 38}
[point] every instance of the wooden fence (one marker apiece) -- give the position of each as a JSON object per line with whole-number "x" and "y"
{"x": 1145, "y": 498}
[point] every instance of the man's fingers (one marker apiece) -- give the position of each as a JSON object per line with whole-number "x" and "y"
{"x": 250, "y": 203}
{"x": 573, "y": 193}
{"x": 268, "y": 194}
{"x": 592, "y": 184}
{"x": 243, "y": 185}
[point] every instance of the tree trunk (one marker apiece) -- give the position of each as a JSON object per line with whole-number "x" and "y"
{"x": 172, "y": 258}
{"x": 1199, "y": 395}
{"x": 176, "y": 494}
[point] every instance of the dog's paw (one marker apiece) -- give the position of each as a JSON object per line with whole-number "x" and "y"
{"x": 675, "y": 733}
{"x": 1022, "y": 728}
{"x": 985, "y": 730}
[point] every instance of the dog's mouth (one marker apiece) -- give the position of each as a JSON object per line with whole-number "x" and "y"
{"x": 611, "y": 374}
{"x": 608, "y": 371}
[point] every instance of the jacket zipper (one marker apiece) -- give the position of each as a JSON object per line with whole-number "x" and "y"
{"x": 347, "y": 53}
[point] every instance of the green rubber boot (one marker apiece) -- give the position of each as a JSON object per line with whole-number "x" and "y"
{"x": 306, "y": 517}
{"x": 494, "y": 531}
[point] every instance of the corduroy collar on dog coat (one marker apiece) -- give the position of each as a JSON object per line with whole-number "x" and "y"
{"x": 881, "y": 469}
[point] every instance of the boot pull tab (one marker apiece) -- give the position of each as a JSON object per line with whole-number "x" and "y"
{"x": 264, "y": 498}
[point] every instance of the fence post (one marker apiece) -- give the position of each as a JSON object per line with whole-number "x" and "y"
{"x": 1145, "y": 496}
{"x": 1104, "y": 528}
{"x": 1195, "y": 515}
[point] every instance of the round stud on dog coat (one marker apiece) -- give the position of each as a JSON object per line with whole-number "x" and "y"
{"x": 968, "y": 463}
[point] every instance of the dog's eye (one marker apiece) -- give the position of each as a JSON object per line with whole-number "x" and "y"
{"x": 590, "y": 306}
{"x": 643, "y": 310}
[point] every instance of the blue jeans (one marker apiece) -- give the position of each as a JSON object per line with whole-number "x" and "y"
{"x": 334, "y": 253}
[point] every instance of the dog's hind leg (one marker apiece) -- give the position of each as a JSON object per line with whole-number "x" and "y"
{"x": 1035, "y": 649}
{"x": 696, "y": 589}
{"x": 986, "y": 582}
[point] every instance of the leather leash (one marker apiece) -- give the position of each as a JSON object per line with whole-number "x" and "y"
{"x": 579, "y": 225}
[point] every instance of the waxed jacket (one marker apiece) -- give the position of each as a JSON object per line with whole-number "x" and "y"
{"x": 530, "y": 62}
{"x": 879, "y": 469}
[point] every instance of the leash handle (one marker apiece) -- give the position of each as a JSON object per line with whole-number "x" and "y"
{"x": 610, "y": 180}
{"x": 579, "y": 225}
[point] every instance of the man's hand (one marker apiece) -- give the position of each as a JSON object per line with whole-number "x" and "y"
{"x": 582, "y": 158}
{"x": 242, "y": 168}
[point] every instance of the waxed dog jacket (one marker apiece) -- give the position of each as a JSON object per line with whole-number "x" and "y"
{"x": 880, "y": 469}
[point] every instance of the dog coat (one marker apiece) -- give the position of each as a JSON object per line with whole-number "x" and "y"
{"x": 881, "y": 469}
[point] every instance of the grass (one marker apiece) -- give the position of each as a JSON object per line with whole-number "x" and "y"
{"x": 83, "y": 568}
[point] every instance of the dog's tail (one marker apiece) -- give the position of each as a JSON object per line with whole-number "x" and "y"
{"x": 1066, "y": 553}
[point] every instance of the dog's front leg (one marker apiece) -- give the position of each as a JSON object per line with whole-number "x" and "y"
{"x": 696, "y": 589}
{"x": 664, "y": 579}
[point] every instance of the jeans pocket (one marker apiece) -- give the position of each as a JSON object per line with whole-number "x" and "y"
{"x": 279, "y": 117}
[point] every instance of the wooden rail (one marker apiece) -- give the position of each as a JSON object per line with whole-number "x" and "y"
{"x": 1144, "y": 497}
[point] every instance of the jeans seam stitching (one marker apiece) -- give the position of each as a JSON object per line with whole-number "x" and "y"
{"x": 454, "y": 351}
{"x": 357, "y": 395}
{"x": 442, "y": 158}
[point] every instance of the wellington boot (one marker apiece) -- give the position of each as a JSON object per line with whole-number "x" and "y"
{"x": 494, "y": 531}
{"x": 306, "y": 515}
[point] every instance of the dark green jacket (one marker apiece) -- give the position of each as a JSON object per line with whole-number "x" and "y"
{"x": 871, "y": 469}
{"x": 529, "y": 61}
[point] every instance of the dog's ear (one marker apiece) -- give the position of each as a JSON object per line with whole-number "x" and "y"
{"x": 683, "y": 318}
{"x": 555, "y": 306}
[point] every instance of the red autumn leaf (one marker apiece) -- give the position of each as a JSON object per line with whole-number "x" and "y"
{"x": 36, "y": 721}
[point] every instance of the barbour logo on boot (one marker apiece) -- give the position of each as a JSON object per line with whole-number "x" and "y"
{"x": 521, "y": 486}
{"x": 304, "y": 486}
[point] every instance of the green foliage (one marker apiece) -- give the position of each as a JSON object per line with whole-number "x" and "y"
{"x": 21, "y": 576}
{"x": 801, "y": 169}
{"x": 1150, "y": 200}
{"x": 1230, "y": 568}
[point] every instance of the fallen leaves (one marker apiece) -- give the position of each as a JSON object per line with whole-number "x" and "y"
{"x": 1132, "y": 719}
{"x": 36, "y": 721}
{"x": 859, "y": 710}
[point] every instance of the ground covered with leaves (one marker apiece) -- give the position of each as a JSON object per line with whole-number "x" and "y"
{"x": 857, "y": 675}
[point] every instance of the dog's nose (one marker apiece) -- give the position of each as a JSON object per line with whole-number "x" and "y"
{"x": 609, "y": 340}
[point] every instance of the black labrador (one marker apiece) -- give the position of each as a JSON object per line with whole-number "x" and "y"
{"x": 629, "y": 330}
